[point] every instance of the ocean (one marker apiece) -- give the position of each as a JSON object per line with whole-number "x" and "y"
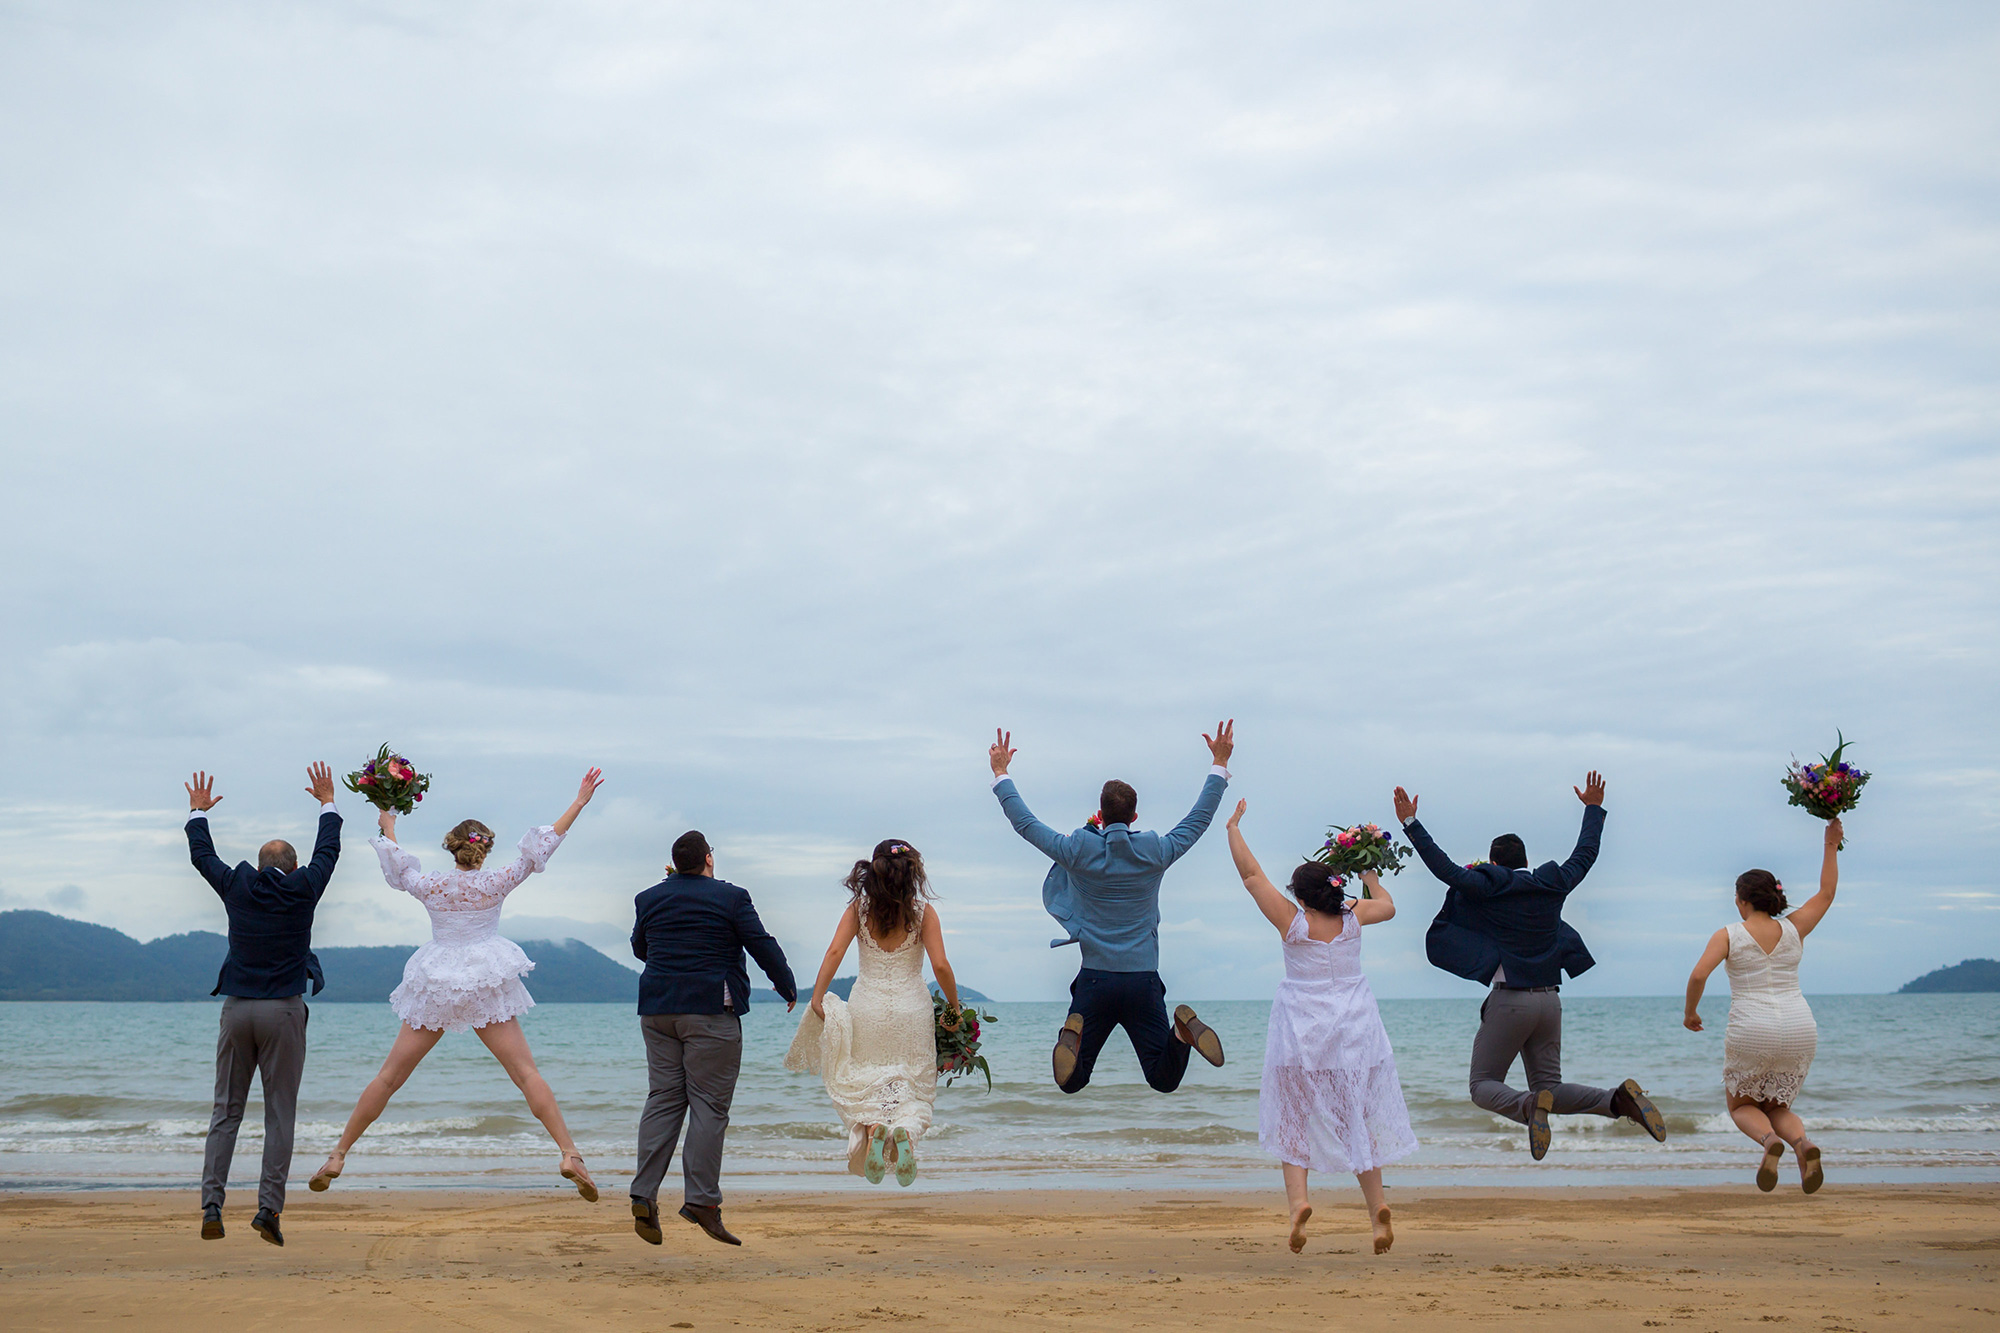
{"x": 1906, "y": 1088}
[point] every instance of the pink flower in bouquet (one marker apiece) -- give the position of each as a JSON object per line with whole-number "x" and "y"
{"x": 367, "y": 781}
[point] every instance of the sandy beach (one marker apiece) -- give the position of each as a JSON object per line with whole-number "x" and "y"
{"x": 1856, "y": 1258}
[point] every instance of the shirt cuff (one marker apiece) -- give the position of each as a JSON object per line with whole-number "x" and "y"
{"x": 1219, "y": 771}
{"x": 328, "y": 809}
{"x": 197, "y": 814}
{"x": 999, "y": 778}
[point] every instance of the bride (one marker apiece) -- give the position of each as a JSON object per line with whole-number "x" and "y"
{"x": 877, "y": 1050}
{"x": 467, "y": 976}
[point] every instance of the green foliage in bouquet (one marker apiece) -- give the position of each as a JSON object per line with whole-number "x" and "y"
{"x": 389, "y": 782}
{"x": 1829, "y": 788}
{"x": 958, "y": 1043}
{"x": 1349, "y": 851}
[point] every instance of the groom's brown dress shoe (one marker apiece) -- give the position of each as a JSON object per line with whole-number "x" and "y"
{"x": 1538, "y": 1123}
{"x": 646, "y": 1220}
{"x": 211, "y": 1224}
{"x": 1630, "y": 1102}
{"x": 708, "y": 1217}
{"x": 1068, "y": 1043}
{"x": 1198, "y": 1035}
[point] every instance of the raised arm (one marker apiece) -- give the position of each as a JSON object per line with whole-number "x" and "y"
{"x": 1711, "y": 958}
{"x": 751, "y": 934}
{"x": 1813, "y": 910}
{"x": 844, "y": 932}
{"x": 585, "y": 790}
{"x": 1056, "y": 846}
{"x": 326, "y": 846}
{"x": 1443, "y": 867}
{"x": 201, "y": 846}
{"x": 1180, "y": 840}
{"x": 1276, "y": 907}
{"x": 947, "y": 980}
{"x": 1378, "y": 906}
{"x": 1591, "y": 793}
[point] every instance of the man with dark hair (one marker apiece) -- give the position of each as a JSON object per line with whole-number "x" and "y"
{"x": 1104, "y": 888}
{"x": 1501, "y": 923}
{"x": 263, "y": 982}
{"x": 692, "y": 930}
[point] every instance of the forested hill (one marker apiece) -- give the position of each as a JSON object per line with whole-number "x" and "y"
{"x": 1974, "y": 974}
{"x": 49, "y": 957}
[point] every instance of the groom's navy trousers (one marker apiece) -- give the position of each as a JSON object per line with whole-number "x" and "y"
{"x": 1137, "y": 1002}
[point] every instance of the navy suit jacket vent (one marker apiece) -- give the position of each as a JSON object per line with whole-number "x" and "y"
{"x": 270, "y": 915}
{"x": 692, "y": 931}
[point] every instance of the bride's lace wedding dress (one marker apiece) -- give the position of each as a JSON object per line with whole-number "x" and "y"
{"x": 877, "y": 1050}
{"x": 467, "y": 976}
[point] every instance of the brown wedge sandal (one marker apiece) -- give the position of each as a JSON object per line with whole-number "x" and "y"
{"x": 1811, "y": 1177}
{"x": 1767, "y": 1170}
{"x": 579, "y": 1177}
{"x": 329, "y": 1173}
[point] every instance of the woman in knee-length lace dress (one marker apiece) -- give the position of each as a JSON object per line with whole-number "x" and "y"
{"x": 1771, "y": 1038}
{"x": 467, "y": 975}
{"x": 1331, "y": 1099}
{"x": 877, "y": 1050}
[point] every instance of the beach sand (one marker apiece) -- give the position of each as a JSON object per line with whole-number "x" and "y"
{"x": 1861, "y": 1257}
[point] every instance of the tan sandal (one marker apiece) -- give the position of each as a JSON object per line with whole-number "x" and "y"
{"x": 329, "y": 1173}
{"x": 1811, "y": 1177}
{"x": 579, "y": 1177}
{"x": 1767, "y": 1170}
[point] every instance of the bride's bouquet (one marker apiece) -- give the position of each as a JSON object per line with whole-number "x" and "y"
{"x": 1349, "y": 851}
{"x": 958, "y": 1040}
{"x": 390, "y": 782}
{"x": 1829, "y": 788}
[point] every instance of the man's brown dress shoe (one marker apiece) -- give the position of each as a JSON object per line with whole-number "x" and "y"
{"x": 708, "y": 1217}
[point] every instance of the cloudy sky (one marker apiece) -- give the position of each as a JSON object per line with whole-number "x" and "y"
{"x": 764, "y": 403}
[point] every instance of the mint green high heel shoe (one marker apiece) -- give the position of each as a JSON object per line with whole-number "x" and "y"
{"x": 873, "y": 1168}
{"x": 906, "y": 1159}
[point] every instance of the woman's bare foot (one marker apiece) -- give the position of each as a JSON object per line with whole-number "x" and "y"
{"x": 574, "y": 1172}
{"x": 336, "y": 1161}
{"x": 1300, "y": 1216}
{"x": 1385, "y": 1235}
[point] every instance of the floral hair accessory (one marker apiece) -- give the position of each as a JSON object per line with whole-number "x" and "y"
{"x": 475, "y": 837}
{"x": 895, "y": 847}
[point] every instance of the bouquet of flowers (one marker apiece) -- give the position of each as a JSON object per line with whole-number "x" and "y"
{"x": 1349, "y": 851}
{"x": 1829, "y": 788}
{"x": 958, "y": 1040}
{"x": 390, "y": 782}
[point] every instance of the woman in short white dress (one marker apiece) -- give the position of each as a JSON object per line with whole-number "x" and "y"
{"x": 1331, "y": 1100}
{"x": 467, "y": 976}
{"x": 1771, "y": 1038}
{"x": 877, "y": 1050}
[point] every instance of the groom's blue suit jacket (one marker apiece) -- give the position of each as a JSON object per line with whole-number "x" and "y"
{"x": 1104, "y": 888}
{"x": 270, "y": 914}
{"x": 692, "y": 931}
{"x": 1494, "y": 917}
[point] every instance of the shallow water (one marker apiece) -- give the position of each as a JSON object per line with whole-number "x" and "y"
{"x": 1905, "y": 1088}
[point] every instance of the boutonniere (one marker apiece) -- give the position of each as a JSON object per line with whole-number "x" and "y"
{"x": 1096, "y": 821}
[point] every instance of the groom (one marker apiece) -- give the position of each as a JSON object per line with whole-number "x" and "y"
{"x": 1104, "y": 889}
{"x": 1501, "y": 923}
{"x": 263, "y": 985}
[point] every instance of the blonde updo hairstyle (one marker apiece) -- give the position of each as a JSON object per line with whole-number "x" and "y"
{"x": 469, "y": 842}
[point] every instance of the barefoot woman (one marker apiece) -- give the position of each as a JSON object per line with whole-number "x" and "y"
{"x": 1772, "y": 1037}
{"x": 467, "y": 976}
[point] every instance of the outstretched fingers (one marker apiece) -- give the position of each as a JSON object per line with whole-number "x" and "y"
{"x": 588, "y": 787}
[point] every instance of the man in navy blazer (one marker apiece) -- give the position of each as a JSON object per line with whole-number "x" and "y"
{"x": 1103, "y": 888}
{"x": 692, "y": 930}
{"x": 1501, "y": 924}
{"x": 263, "y": 983}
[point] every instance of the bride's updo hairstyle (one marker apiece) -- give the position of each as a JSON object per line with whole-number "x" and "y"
{"x": 1760, "y": 891}
{"x": 1312, "y": 886}
{"x": 469, "y": 843}
{"x": 890, "y": 882}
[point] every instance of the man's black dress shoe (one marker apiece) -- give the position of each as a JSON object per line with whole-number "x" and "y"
{"x": 211, "y": 1224}
{"x": 708, "y": 1217}
{"x": 646, "y": 1219}
{"x": 1630, "y": 1102}
{"x": 265, "y": 1224}
{"x": 1538, "y": 1123}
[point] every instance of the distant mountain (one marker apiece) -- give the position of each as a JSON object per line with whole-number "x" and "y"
{"x": 1974, "y": 974}
{"x": 841, "y": 986}
{"x": 48, "y": 957}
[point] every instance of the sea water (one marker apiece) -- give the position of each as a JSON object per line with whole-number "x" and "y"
{"x": 1905, "y": 1088}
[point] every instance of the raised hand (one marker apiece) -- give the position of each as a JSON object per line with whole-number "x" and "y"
{"x": 1224, "y": 743}
{"x": 588, "y": 787}
{"x": 1836, "y": 836}
{"x": 1406, "y": 806}
{"x": 1237, "y": 818}
{"x": 1592, "y": 790}
{"x": 998, "y": 754}
{"x": 386, "y": 821}
{"x": 201, "y": 792}
{"x": 321, "y": 778}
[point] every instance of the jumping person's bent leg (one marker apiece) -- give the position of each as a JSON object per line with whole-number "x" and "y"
{"x": 1505, "y": 1024}
{"x": 712, "y": 1046}
{"x": 1163, "y": 1056}
{"x": 1541, "y": 1058}
{"x": 666, "y": 1103}
{"x": 235, "y": 1061}
{"x": 1096, "y": 997}
{"x": 281, "y": 1061}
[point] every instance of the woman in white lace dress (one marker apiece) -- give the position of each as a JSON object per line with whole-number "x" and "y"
{"x": 1331, "y": 1099}
{"x": 877, "y": 1050}
{"x": 1771, "y": 1038}
{"x": 467, "y": 976}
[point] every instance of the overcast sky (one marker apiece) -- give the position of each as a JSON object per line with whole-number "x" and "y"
{"x": 765, "y": 402}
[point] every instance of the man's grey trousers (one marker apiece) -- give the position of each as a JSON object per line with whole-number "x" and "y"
{"x": 1528, "y": 1024}
{"x": 691, "y": 1066}
{"x": 267, "y": 1038}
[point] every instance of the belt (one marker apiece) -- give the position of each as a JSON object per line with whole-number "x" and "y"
{"x": 1530, "y": 989}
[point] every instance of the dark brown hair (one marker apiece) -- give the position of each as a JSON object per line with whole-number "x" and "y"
{"x": 1760, "y": 891}
{"x": 890, "y": 882}
{"x": 1312, "y": 886}
{"x": 468, "y": 842}
{"x": 691, "y": 852}
{"x": 1118, "y": 803}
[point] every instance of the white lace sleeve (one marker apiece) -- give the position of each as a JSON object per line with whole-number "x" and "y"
{"x": 398, "y": 866}
{"x": 537, "y": 846}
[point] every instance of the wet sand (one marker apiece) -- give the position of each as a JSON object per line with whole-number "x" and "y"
{"x": 1854, "y": 1258}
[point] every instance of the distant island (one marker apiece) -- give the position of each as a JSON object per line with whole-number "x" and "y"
{"x": 1974, "y": 974}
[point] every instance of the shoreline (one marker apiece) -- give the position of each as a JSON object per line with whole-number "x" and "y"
{"x": 1849, "y": 1258}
